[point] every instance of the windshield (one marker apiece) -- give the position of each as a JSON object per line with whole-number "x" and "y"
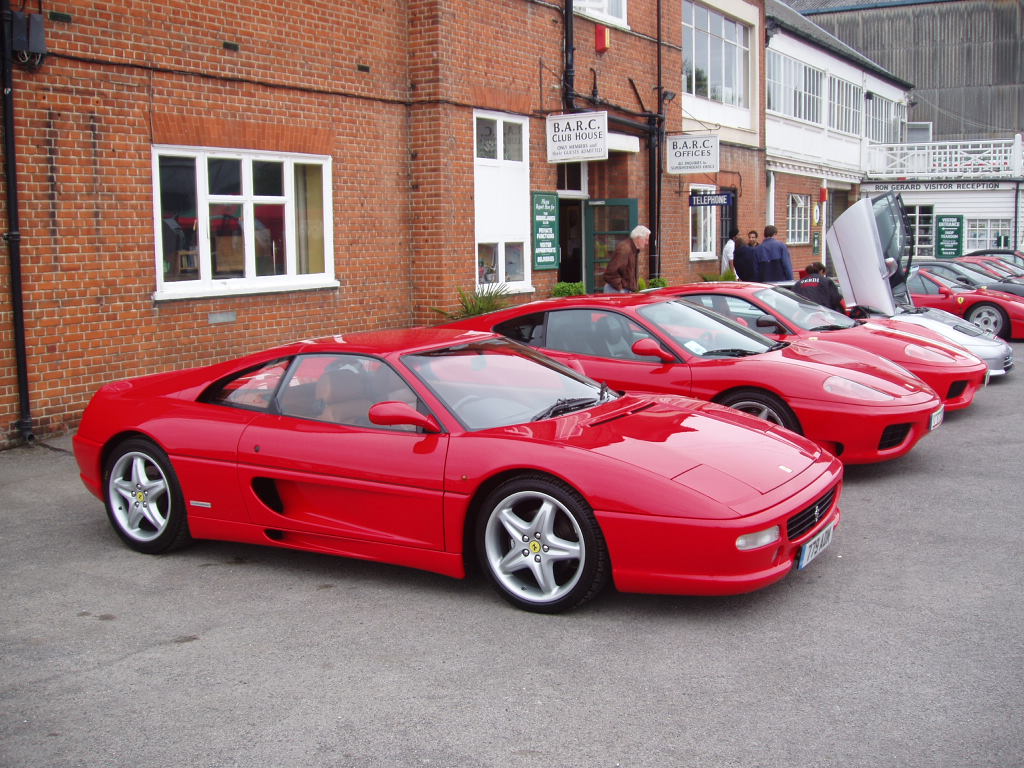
{"x": 802, "y": 312}
{"x": 704, "y": 333}
{"x": 945, "y": 282}
{"x": 498, "y": 383}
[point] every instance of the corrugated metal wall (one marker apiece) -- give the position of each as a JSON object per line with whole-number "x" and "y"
{"x": 965, "y": 59}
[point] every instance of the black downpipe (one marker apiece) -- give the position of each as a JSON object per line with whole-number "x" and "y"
{"x": 653, "y": 128}
{"x": 13, "y": 234}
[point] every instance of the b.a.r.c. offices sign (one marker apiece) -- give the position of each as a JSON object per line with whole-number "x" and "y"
{"x": 577, "y": 137}
{"x": 691, "y": 154}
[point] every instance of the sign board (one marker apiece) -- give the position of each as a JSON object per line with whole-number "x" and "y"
{"x": 691, "y": 154}
{"x": 949, "y": 236}
{"x": 545, "y": 230}
{"x": 576, "y": 137}
{"x": 710, "y": 198}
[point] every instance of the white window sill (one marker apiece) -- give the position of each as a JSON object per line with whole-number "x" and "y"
{"x": 241, "y": 287}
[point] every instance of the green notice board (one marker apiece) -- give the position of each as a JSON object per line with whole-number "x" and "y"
{"x": 949, "y": 236}
{"x": 545, "y": 230}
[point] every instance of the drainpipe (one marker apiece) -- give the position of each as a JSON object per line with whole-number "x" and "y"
{"x": 13, "y": 234}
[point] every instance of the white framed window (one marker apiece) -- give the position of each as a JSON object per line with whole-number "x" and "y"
{"x": 703, "y": 226}
{"x": 501, "y": 181}
{"x": 609, "y": 11}
{"x": 794, "y": 89}
{"x": 798, "y": 225}
{"x": 844, "y": 105}
{"x": 239, "y": 221}
{"x": 885, "y": 119}
{"x": 922, "y": 224}
{"x": 986, "y": 233}
{"x": 716, "y": 55}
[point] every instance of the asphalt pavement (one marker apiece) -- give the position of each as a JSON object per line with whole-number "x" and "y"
{"x": 901, "y": 645}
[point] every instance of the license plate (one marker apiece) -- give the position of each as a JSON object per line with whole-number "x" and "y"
{"x": 936, "y": 418}
{"x": 815, "y": 546}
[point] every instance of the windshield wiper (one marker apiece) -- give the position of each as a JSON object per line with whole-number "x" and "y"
{"x": 828, "y": 328}
{"x": 735, "y": 352}
{"x": 778, "y": 345}
{"x": 565, "y": 405}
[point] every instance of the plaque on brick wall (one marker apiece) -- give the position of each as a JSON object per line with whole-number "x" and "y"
{"x": 545, "y": 230}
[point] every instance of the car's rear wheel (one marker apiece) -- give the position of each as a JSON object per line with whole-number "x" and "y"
{"x": 763, "y": 405}
{"x": 540, "y": 545}
{"x": 989, "y": 317}
{"x": 144, "y": 499}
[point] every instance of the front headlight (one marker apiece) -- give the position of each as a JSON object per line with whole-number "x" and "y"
{"x": 758, "y": 539}
{"x": 843, "y": 387}
{"x": 927, "y": 354}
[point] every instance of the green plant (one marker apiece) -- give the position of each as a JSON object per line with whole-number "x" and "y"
{"x": 487, "y": 298}
{"x": 715, "y": 278}
{"x": 569, "y": 289}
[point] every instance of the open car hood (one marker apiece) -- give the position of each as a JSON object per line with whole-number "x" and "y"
{"x": 867, "y": 245}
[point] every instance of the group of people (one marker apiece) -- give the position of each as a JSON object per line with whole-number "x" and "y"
{"x": 765, "y": 262}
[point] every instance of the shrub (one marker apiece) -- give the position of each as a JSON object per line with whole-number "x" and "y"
{"x": 569, "y": 289}
{"x": 488, "y": 298}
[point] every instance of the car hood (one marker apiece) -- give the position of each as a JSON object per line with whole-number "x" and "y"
{"x": 832, "y": 358}
{"x": 857, "y": 248}
{"x": 699, "y": 444}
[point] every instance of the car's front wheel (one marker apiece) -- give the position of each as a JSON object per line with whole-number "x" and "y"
{"x": 144, "y": 499}
{"x": 989, "y": 317}
{"x": 763, "y": 405}
{"x": 540, "y": 545}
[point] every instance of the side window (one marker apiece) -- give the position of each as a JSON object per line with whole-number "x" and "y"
{"x": 341, "y": 388}
{"x": 526, "y": 330}
{"x": 252, "y": 389}
{"x": 595, "y": 333}
{"x": 732, "y": 307}
{"x": 917, "y": 284}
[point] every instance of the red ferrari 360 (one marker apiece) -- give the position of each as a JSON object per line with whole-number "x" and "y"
{"x": 431, "y": 447}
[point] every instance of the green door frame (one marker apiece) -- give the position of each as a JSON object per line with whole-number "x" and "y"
{"x": 603, "y": 222}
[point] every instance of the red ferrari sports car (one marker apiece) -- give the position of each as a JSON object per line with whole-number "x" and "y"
{"x": 990, "y": 309}
{"x": 995, "y": 266}
{"x": 953, "y": 372}
{"x": 859, "y": 406}
{"x": 426, "y": 447}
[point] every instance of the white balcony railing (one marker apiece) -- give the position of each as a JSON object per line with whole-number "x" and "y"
{"x": 998, "y": 158}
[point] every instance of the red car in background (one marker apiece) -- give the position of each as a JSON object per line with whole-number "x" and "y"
{"x": 954, "y": 373}
{"x": 996, "y": 267}
{"x": 858, "y": 405}
{"x": 990, "y": 309}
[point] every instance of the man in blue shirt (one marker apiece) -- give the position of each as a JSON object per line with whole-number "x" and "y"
{"x": 773, "y": 262}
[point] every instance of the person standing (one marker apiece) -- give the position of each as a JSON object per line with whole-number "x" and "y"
{"x": 753, "y": 237}
{"x": 728, "y": 249}
{"x": 744, "y": 260}
{"x": 773, "y": 262}
{"x": 620, "y": 274}
{"x": 819, "y": 288}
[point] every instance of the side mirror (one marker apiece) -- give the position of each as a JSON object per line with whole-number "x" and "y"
{"x": 768, "y": 323}
{"x": 393, "y": 413}
{"x": 650, "y": 348}
{"x": 945, "y": 290}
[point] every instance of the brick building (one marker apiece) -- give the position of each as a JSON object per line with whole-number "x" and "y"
{"x": 197, "y": 181}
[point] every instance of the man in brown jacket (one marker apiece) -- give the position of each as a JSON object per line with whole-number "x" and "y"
{"x": 620, "y": 275}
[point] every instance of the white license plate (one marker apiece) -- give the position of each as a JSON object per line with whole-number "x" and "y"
{"x": 815, "y": 546}
{"x": 936, "y": 418}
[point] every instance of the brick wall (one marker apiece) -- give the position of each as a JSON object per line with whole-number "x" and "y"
{"x": 790, "y": 184}
{"x": 388, "y": 96}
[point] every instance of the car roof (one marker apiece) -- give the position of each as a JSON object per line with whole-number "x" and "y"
{"x": 383, "y": 342}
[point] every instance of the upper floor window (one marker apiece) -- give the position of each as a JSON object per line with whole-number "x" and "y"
{"x": 716, "y": 54}
{"x": 794, "y": 88}
{"x": 501, "y": 179}
{"x": 613, "y": 11}
{"x": 231, "y": 221}
{"x": 886, "y": 120}
{"x": 844, "y": 105}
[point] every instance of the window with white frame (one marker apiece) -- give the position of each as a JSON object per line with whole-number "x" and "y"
{"x": 612, "y": 11}
{"x": 703, "y": 229}
{"x": 798, "y": 224}
{"x": 716, "y": 55}
{"x": 885, "y": 119}
{"x": 922, "y": 225}
{"x": 231, "y": 221}
{"x": 501, "y": 177}
{"x": 986, "y": 233}
{"x": 794, "y": 89}
{"x": 844, "y": 105}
